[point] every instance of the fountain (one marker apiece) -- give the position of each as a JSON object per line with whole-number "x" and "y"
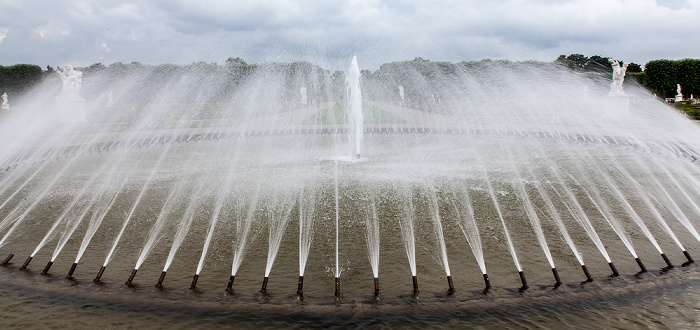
{"x": 445, "y": 182}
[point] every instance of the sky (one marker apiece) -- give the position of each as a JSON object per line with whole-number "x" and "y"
{"x": 329, "y": 32}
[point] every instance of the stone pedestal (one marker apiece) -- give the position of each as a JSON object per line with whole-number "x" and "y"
{"x": 617, "y": 106}
{"x": 6, "y": 107}
{"x": 679, "y": 98}
{"x": 71, "y": 109}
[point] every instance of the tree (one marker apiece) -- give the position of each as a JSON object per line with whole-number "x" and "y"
{"x": 661, "y": 76}
{"x": 19, "y": 78}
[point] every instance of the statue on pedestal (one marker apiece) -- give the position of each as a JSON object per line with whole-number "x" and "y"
{"x": 72, "y": 81}
{"x": 5, "y": 105}
{"x": 679, "y": 95}
{"x": 618, "y": 77}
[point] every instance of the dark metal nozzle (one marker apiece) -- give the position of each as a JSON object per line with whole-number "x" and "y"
{"x": 300, "y": 287}
{"x": 557, "y": 279}
{"x": 687, "y": 256}
{"x": 376, "y": 286}
{"x": 131, "y": 277}
{"x": 451, "y": 286}
{"x": 668, "y": 262}
{"x": 523, "y": 281}
{"x": 487, "y": 282}
{"x": 71, "y": 271}
{"x": 642, "y": 269}
{"x": 229, "y": 287}
{"x": 415, "y": 285}
{"x": 99, "y": 274}
{"x": 614, "y": 270}
{"x": 264, "y": 285}
{"x": 194, "y": 282}
{"x": 588, "y": 275}
{"x": 7, "y": 260}
{"x": 26, "y": 263}
{"x": 46, "y": 269}
{"x": 159, "y": 285}
{"x": 337, "y": 287}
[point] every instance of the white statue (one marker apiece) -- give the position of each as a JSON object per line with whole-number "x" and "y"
{"x": 679, "y": 95}
{"x": 304, "y": 99}
{"x": 618, "y": 77}
{"x": 72, "y": 80}
{"x": 5, "y": 105}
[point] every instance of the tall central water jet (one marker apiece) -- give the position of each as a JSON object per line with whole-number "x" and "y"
{"x": 354, "y": 108}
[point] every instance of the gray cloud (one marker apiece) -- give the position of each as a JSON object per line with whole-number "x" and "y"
{"x": 329, "y": 32}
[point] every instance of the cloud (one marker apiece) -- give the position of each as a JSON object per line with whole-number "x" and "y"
{"x": 3, "y": 33}
{"x": 52, "y": 29}
{"x": 330, "y": 32}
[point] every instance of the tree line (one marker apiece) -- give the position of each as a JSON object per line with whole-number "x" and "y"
{"x": 659, "y": 76}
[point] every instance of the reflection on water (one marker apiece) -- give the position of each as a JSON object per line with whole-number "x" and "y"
{"x": 657, "y": 300}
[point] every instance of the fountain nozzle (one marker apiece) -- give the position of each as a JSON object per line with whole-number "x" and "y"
{"x": 557, "y": 279}
{"x": 159, "y": 285}
{"x": 99, "y": 274}
{"x": 229, "y": 287}
{"x": 415, "y": 286}
{"x": 614, "y": 270}
{"x": 194, "y": 282}
{"x": 376, "y": 286}
{"x": 7, "y": 260}
{"x": 300, "y": 287}
{"x": 687, "y": 256}
{"x": 523, "y": 280}
{"x": 451, "y": 286}
{"x": 71, "y": 271}
{"x": 588, "y": 275}
{"x": 337, "y": 287}
{"x": 263, "y": 290}
{"x": 131, "y": 277}
{"x": 669, "y": 265}
{"x": 46, "y": 269}
{"x": 487, "y": 282}
{"x": 642, "y": 269}
{"x": 26, "y": 263}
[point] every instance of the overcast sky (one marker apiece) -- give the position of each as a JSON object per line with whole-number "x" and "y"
{"x": 329, "y": 32}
